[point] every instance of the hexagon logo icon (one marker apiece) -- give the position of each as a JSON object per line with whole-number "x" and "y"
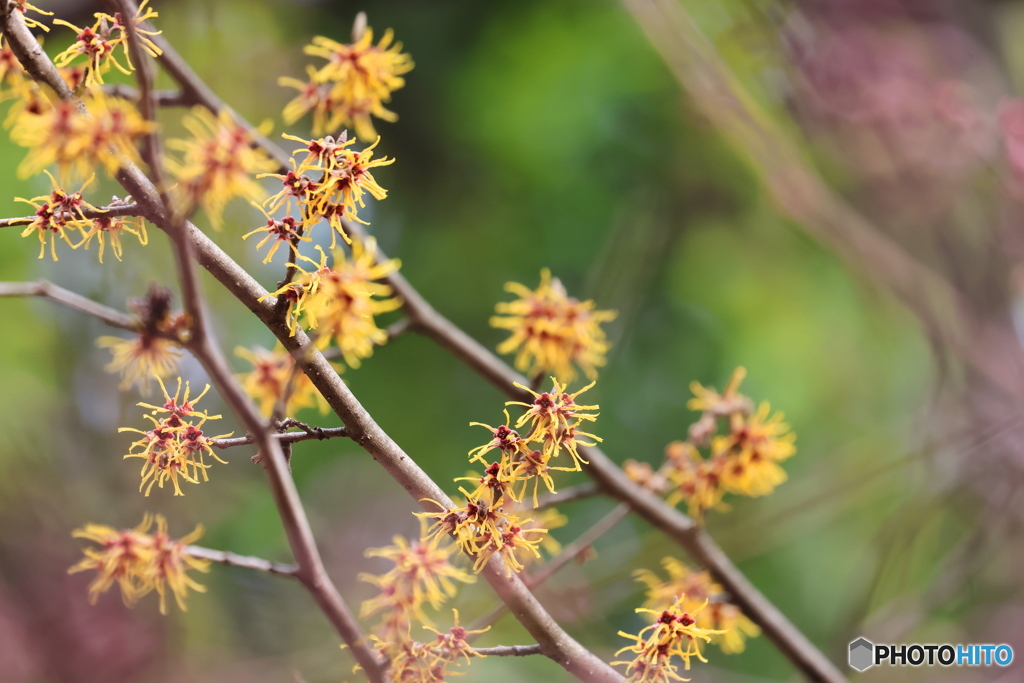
{"x": 862, "y": 654}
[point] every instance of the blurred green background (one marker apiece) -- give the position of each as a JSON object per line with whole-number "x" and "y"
{"x": 532, "y": 134}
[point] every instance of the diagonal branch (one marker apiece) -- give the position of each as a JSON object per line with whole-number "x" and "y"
{"x": 46, "y": 289}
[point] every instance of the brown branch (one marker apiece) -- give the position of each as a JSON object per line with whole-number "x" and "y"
{"x": 163, "y": 98}
{"x": 318, "y": 433}
{"x": 508, "y": 651}
{"x": 568, "y": 495}
{"x": 311, "y": 570}
{"x": 229, "y": 558}
{"x": 113, "y": 211}
{"x": 45, "y": 288}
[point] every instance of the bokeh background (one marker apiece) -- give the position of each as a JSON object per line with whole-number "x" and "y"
{"x": 878, "y": 305}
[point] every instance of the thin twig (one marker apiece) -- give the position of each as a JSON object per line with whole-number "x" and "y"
{"x": 508, "y": 651}
{"x": 578, "y": 547}
{"x": 318, "y": 433}
{"x": 229, "y": 558}
{"x": 163, "y": 98}
{"x": 45, "y": 288}
{"x": 569, "y": 494}
{"x": 113, "y": 211}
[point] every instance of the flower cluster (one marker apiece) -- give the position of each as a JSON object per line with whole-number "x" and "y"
{"x": 175, "y": 446}
{"x": 551, "y": 331}
{"x": 340, "y": 302}
{"x": 76, "y": 141}
{"x": 99, "y": 43}
{"x": 697, "y": 589}
{"x": 422, "y": 575}
{"x": 338, "y": 180}
{"x": 351, "y": 87}
{"x": 488, "y": 523}
{"x": 154, "y": 352}
{"x": 217, "y": 163}
{"x": 744, "y": 460}
{"x": 675, "y": 633}
{"x": 140, "y": 562}
{"x": 61, "y": 211}
{"x": 274, "y": 374}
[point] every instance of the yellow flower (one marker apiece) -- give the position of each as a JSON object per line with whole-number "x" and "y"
{"x": 121, "y": 557}
{"x": 140, "y": 562}
{"x": 23, "y": 5}
{"x": 99, "y": 43}
{"x": 284, "y": 231}
{"x": 269, "y": 377}
{"x": 555, "y": 418}
{"x": 170, "y": 563}
{"x": 154, "y": 352}
{"x": 176, "y": 445}
{"x": 217, "y": 164}
{"x": 342, "y": 179}
{"x": 696, "y": 589}
{"x": 757, "y": 445}
{"x": 104, "y": 227}
{"x": 422, "y": 575}
{"x": 352, "y": 86}
{"x": 341, "y": 302}
{"x": 75, "y": 141}
{"x": 55, "y": 214}
{"x": 657, "y": 645}
{"x": 728, "y": 402}
{"x": 141, "y": 358}
{"x": 552, "y": 331}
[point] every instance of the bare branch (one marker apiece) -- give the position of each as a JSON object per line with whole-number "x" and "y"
{"x": 45, "y": 288}
{"x": 508, "y": 651}
{"x": 568, "y": 495}
{"x": 318, "y": 433}
{"x": 575, "y": 549}
{"x": 163, "y": 98}
{"x": 229, "y": 558}
{"x": 113, "y": 211}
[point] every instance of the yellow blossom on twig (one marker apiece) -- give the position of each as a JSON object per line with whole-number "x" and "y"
{"x": 696, "y": 588}
{"x": 176, "y": 445}
{"x": 216, "y": 164}
{"x": 99, "y": 43}
{"x": 674, "y": 634}
{"x": 351, "y": 87}
{"x": 268, "y": 381}
{"x": 552, "y": 331}
{"x": 75, "y": 141}
{"x": 341, "y": 302}
{"x": 140, "y": 562}
{"x": 154, "y": 352}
